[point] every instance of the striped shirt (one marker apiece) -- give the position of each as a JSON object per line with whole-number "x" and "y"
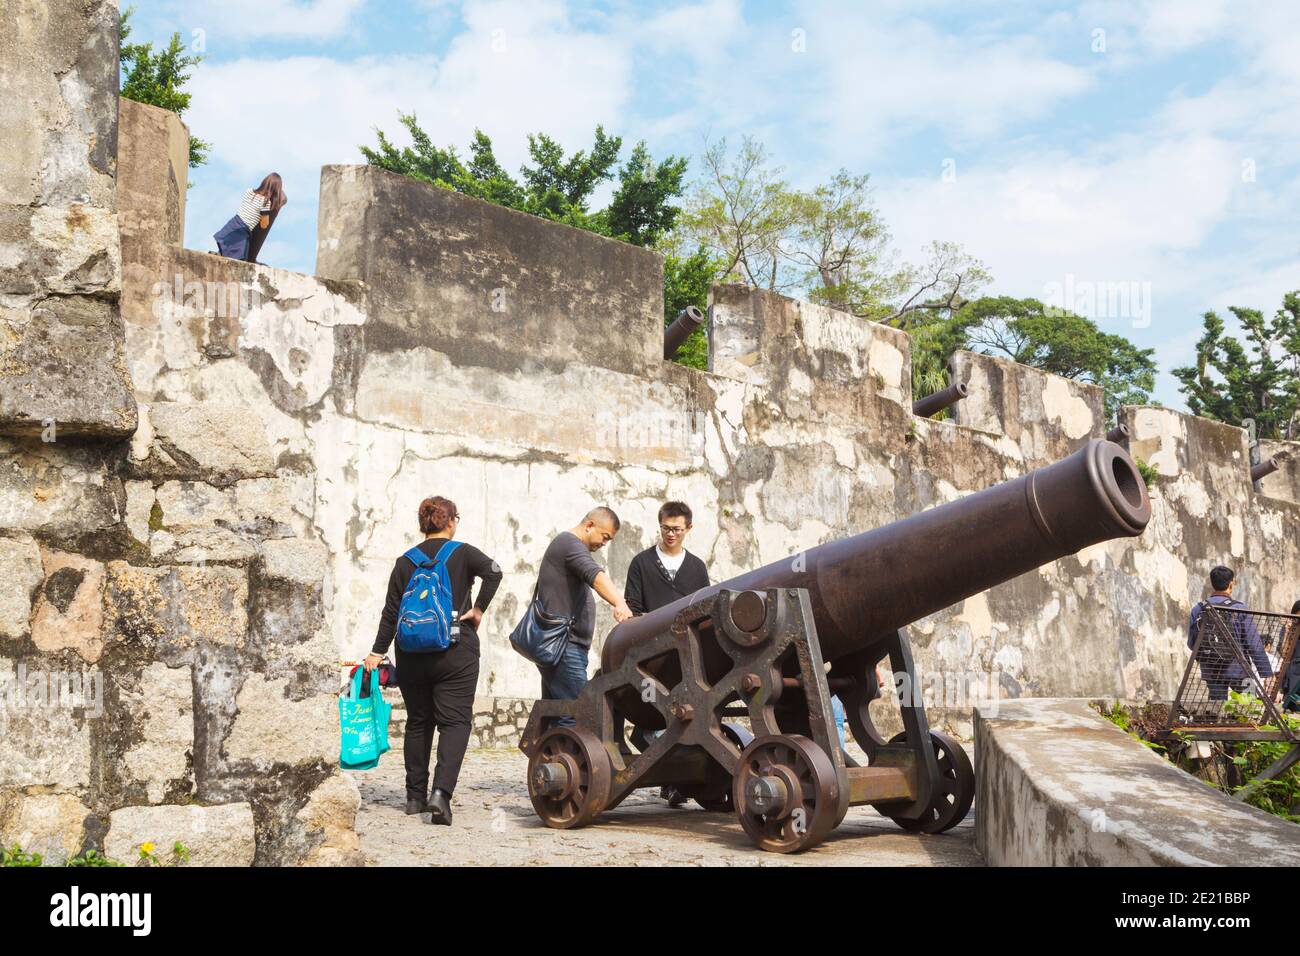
{"x": 251, "y": 208}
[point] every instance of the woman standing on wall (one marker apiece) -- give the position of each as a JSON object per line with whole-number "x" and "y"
{"x": 256, "y": 211}
{"x": 437, "y": 685}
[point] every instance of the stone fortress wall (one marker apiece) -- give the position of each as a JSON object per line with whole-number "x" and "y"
{"x": 238, "y": 453}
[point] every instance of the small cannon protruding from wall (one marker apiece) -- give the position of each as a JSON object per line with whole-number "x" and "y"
{"x": 687, "y": 321}
{"x": 774, "y": 644}
{"x": 1263, "y": 469}
{"x": 1119, "y": 434}
{"x": 933, "y": 404}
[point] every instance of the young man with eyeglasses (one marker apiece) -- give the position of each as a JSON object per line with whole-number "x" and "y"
{"x": 661, "y": 575}
{"x": 664, "y": 573}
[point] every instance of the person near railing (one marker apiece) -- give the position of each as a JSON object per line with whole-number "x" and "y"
{"x": 1222, "y": 676}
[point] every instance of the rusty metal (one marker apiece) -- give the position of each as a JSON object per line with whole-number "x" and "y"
{"x": 1263, "y": 469}
{"x": 568, "y": 777}
{"x": 772, "y": 644}
{"x": 935, "y": 403}
{"x": 748, "y": 611}
{"x": 866, "y": 586}
{"x": 871, "y": 785}
{"x": 1119, "y": 434}
{"x": 956, "y": 790}
{"x": 676, "y": 334}
{"x": 786, "y": 792}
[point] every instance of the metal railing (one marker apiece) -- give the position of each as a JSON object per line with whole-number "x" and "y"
{"x": 1236, "y": 651}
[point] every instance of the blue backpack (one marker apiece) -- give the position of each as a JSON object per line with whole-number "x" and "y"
{"x": 426, "y": 619}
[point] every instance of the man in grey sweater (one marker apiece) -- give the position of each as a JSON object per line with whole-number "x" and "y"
{"x": 564, "y": 585}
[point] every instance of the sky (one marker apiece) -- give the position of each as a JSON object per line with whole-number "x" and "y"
{"x": 1135, "y": 161}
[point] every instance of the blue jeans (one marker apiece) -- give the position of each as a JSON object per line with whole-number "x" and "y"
{"x": 565, "y": 679}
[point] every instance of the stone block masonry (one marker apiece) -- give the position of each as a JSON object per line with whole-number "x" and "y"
{"x": 166, "y": 673}
{"x": 62, "y": 356}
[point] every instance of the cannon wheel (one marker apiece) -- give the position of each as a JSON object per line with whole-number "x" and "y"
{"x": 584, "y": 773}
{"x": 956, "y": 789}
{"x": 803, "y": 779}
{"x": 741, "y": 737}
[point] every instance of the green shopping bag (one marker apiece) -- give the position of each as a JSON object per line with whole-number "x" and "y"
{"x": 363, "y": 724}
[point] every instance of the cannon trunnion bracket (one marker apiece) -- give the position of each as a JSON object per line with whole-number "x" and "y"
{"x": 754, "y": 654}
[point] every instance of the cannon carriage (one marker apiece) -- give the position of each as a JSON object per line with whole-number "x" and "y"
{"x": 774, "y": 644}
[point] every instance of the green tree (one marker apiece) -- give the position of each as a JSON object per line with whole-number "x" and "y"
{"x": 553, "y": 185}
{"x": 158, "y": 79}
{"x": 827, "y": 243}
{"x": 559, "y": 187}
{"x": 641, "y": 211}
{"x": 743, "y": 213}
{"x": 687, "y": 279}
{"x": 932, "y": 292}
{"x": 839, "y": 239}
{"x": 1233, "y": 383}
{"x": 1026, "y": 331}
{"x": 426, "y": 162}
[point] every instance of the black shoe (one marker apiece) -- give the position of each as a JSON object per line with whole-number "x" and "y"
{"x": 415, "y": 805}
{"x": 674, "y": 796}
{"x": 440, "y": 807}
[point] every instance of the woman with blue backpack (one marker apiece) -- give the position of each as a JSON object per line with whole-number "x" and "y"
{"x": 428, "y": 611}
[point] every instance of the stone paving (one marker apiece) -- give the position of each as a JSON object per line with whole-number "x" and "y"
{"x": 495, "y": 825}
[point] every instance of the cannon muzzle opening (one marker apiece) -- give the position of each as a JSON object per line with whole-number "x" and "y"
{"x": 687, "y": 321}
{"x": 933, "y": 404}
{"x": 1119, "y": 434}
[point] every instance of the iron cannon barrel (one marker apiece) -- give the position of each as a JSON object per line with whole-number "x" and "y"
{"x": 1263, "y": 469}
{"x": 866, "y": 586}
{"x": 687, "y": 321}
{"x": 938, "y": 401}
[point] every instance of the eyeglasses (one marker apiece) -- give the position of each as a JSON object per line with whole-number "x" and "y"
{"x": 664, "y": 529}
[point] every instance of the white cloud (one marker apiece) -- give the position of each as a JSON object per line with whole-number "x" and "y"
{"x": 690, "y": 34}
{"x": 1175, "y": 25}
{"x": 882, "y": 78}
{"x": 1112, "y": 213}
{"x": 238, "y": 20}
{"x": 517, "y": 69}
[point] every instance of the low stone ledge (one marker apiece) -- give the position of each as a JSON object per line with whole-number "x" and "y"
{"x": 1058, "y": 785}
{"x": 499, "y": 722}
{"x": 221, "y": 835}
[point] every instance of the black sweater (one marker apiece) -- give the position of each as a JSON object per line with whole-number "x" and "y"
{"x": 649, "y": 587}
{"x": 465, "y": 564}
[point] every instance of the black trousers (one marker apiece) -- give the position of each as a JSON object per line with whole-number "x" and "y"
{"x": 438, "y": 690}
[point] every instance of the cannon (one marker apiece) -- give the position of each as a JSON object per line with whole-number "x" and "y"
{"x": 933, "y": 404}
{"x": 1120, "y": 434}
{"x": 676, "y": 334}
{"x": 1263, "y": 469}
{"x": 774, "y": 644}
